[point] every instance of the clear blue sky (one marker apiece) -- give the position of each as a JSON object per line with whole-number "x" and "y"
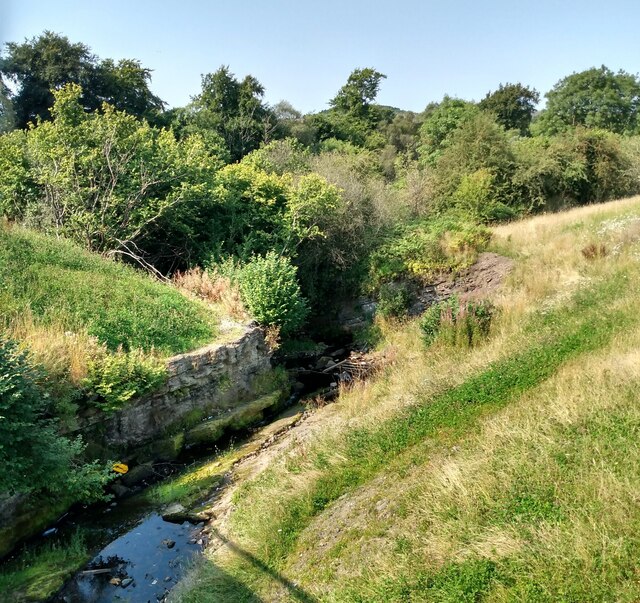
{"x": 303, "y": 51}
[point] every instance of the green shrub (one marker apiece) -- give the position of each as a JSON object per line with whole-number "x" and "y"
{"x": 271, "y": 293}
{"x": 475, "y": 198}
{"x": 461, "y": 324}
{"x": 423, "y": 249}
{"x": 115, "y": 379}
{"x": 33, "y": 455}
{"x": 393, "y": 299}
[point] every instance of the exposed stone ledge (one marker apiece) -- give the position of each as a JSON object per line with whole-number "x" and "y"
{"x": 207, "y": 382}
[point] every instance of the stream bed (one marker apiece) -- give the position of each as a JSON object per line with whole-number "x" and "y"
{"x": 139, "y": 557}
{"x": 142, "y": 564}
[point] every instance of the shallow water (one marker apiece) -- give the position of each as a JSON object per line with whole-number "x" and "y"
{"x": 153, "y": 555}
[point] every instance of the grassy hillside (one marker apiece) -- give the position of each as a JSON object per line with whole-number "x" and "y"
{"x": 59, "y": 284}
{"x": 70, "y": 307}
{"x": 508, "y": 471}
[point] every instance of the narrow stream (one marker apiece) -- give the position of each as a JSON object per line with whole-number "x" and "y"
{"x": 142, "y": 564}
{"x": 138, "y": 556}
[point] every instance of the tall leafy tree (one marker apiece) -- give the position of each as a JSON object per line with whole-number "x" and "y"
{"x": 40, "y": 65}
{"x": 353, "y": 116}
{"x": 46, "y": 63}
{"x": 513, "y": 105}
{"x": 357, "y": 95}
{"x": 595, "y": 98}
{"x": 125, "y": 86}
{"x": 233, "y": 109}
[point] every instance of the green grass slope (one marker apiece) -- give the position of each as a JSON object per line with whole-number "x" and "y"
{"x": 509, "y": 471}
{"x": 59, "y": 284}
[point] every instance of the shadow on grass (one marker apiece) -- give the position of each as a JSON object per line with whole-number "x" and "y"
{"x": 243, "y": 594}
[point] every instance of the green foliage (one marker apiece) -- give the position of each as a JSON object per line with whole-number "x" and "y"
{"x": 104, "y": 179}
{"x": 18, "y": 190}
{"x": 115, "y": 379}
{"x": 259, "y": 212}
{"x": 478, "y": 143}
{"x": 233, "y": 110}
{"x": 439, "y": 124}
{"x": 593, "y": 166}
{"x": 312, "y": 204}
{"x": 270, "y": 290}
{"x": 280, "y": 157}
{"x": 46, "y": 63}
{"x": 7, "y": 113}
{"x": 393, "y": 299}
{"x": 353, "y": 117}
{"x": 573, "y": 168}
{"x": 61, "y": 284}
{"x": 461, "y": 324}
{"x": 125, "y": 86}
{"x": 595, "y": 98}
{"x": 251, "y": 207}
{"x": 513, "y": 105}
{"x": 422, "y": 249}
{"x": 475, "y": 198}
{"x": 361, "y": 89}
{"x": 34, "y": 456}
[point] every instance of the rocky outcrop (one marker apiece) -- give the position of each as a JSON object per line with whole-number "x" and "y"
{"x": 482, "y": 279}
{"x": 208, "y": 383}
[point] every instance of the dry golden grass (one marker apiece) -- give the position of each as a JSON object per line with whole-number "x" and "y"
{"x": 214, "y": 289}
{"x": 441, "y": 506}
{"x": 453, "y": 507}
{"x": 64, "y": 355}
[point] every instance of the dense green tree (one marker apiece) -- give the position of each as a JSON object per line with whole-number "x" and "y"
{"x": 353, "y": 116}
{"x": 595, "y": 98}
{"x": 103, "y": 179}
{"x": 357, "y": 95}
{"x": 234, "y": 110}
{"x": 45, "y": 63}
{"x": 513, "y": 105}
{"x": 440, "y": 122}
{"x": 40, "y": 65}
{"x": 125, "y": 86}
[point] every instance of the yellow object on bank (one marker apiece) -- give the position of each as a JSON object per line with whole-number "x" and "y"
{"x": 120, "y": 468}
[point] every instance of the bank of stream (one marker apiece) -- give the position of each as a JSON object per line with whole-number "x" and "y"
{"x": 139, "y": 545}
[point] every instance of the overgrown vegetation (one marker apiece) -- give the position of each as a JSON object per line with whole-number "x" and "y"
{"x": 463, "y": 477}
{"x": 36, "y": 575}
{"x": 91, "y": 332}
{"x": 34, "y": 455}
{"x": 457, "y": 323}
{"x": 251, "y": 209}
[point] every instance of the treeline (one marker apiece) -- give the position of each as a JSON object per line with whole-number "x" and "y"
{"x": 354, "y": 198}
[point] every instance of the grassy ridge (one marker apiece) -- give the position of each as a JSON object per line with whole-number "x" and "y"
{"x": 504, "y": 473}
{"x": 448, "y": 415}
{"x": 63, "y": 286}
